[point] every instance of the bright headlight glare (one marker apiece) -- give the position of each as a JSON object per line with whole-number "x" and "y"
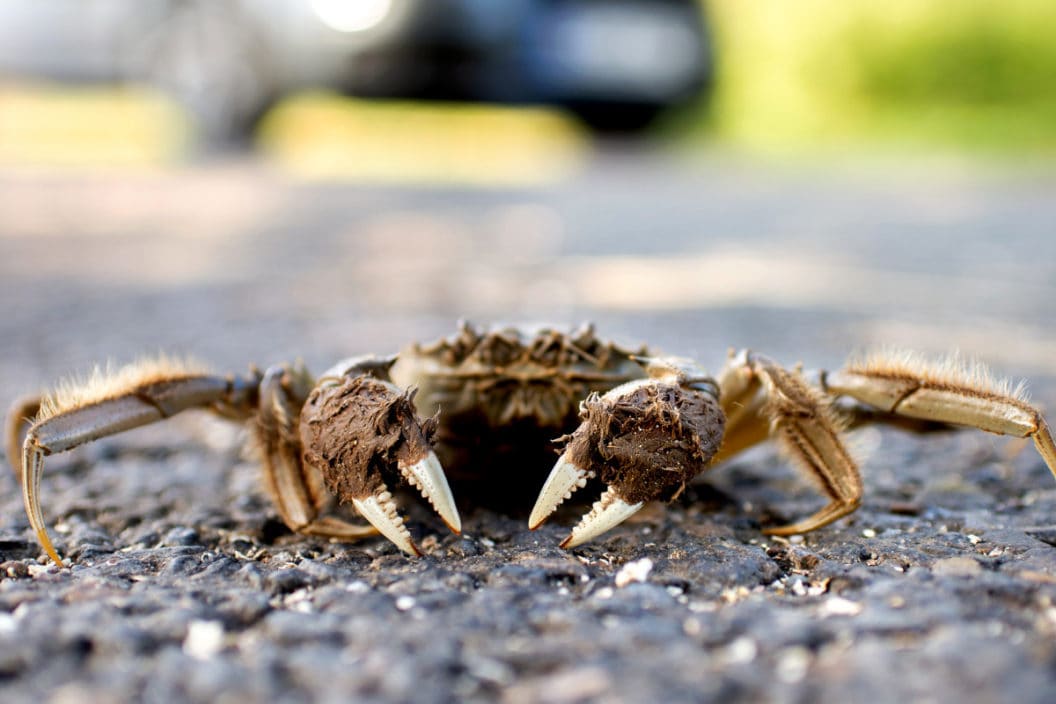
{"x": 352, "y": 15}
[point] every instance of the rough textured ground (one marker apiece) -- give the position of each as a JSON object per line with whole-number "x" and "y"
{"x": 183, "y": 585}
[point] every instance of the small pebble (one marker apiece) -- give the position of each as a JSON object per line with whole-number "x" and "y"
{"x": 792, "y": 665}
{"x": 15, "y": 570}
{"x": 7, "y": 623}
{"x": 838, "y": 606}
{"x": 957, "y": 567}
{"x": 204, "y": 639}
{"x": 634, "y": 571}
{"x": 741, "y": 651}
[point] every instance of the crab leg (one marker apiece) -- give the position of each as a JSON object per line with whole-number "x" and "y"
{"x": 644, "y": 439}
{"x": 143, "y": 395}
{"x": 761, "y": 399}
{"x": 744, "y": 402}
{"x": 950, "y": 392}
{"x": 295, "y": 487}
{"x": 765, "y": 400}
{"x": 21, "y": 413}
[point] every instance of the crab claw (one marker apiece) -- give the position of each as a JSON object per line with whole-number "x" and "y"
{"x": 607, "y": 512}
{"x": 380, "y": 511}
{"x": 364, "y": 435}
{"x": 564, "y": 479}
{"x": 644, "y": 439}
{"x": 427, "y": 476}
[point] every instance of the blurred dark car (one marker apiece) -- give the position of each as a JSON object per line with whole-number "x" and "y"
{"x": 615, "y": 63}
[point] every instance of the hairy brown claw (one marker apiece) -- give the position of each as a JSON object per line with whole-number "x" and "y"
{"x": 364, "y": 434}
{"x": 644, "y": 439}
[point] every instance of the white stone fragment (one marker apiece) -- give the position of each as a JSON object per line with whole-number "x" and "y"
{"x": 838, "y": 606}
{"x": 7, "y": 624}
{"x": 299, "y": 601}
{"x": 204, "y": 639}
{"x": 792, "y": 665}
{"x": 634, "y": 571}
{"x": 741, "y": 651}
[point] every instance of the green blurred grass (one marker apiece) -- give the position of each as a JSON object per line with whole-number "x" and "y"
{"x": 962, "y": 74}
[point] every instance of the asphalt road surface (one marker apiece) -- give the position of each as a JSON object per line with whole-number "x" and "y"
{"x": 184, "y": 586}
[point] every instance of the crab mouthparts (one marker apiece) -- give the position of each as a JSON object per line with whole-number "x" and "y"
{"x": 565, "y": 478}
{"x": 427, "y": 476}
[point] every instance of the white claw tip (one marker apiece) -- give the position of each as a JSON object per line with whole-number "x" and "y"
{"x": 427, "y": 476}
{"x": 606, "y": 513}
{"x": 380, "y": 511}
{"x": 564, "y": 479}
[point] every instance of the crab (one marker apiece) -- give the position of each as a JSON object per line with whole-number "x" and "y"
{"x": 491, "y": 406}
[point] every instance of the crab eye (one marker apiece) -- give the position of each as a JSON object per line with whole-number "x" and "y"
{"x": 704, "y": 384}
{"x": 680, "y": 370}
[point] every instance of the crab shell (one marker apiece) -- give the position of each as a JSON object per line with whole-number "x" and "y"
{"x": 504, "y": 396}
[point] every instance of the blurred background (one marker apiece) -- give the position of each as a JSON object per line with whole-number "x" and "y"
{"x": 258, "y": 180}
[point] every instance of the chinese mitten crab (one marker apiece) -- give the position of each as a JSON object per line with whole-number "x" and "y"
{"x": 489, "y": 405}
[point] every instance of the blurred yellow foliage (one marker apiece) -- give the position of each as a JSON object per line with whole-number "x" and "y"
{"x": 52, "y": 125}
{"x": 325, "y": 136}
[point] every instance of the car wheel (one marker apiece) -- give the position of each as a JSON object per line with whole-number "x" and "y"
{"x": 617, "y": 117}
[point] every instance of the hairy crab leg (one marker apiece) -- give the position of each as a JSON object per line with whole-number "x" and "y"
{"x": 157, "y": 394}
{"x": 900, "y": 389}
{"x": 948, "y": 392}
{"x": 644, "y": 439}
{"x": 767, "y": 401}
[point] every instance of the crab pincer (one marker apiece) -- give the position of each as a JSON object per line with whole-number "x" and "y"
{"x": 645, "y": 440}
{"x": 364, "y": 436}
